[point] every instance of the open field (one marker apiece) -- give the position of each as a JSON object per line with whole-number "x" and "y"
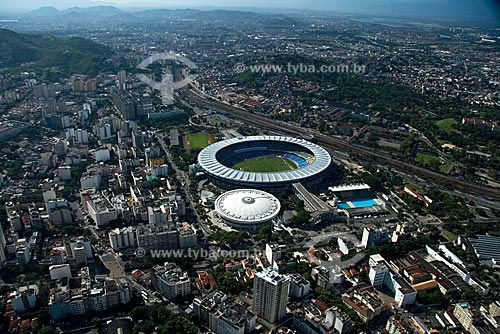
{"x": 427, "y": 158}
{"x": 197, "y": 141}
{"x": 447, "y": 125}
{"x": 266, "y": 164}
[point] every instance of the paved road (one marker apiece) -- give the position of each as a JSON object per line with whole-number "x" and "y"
{"x": 186, "y": 182}
{"x": 337, "y": 261}
{"x": 327, "y": 236}
{"x": 113, "y": 264}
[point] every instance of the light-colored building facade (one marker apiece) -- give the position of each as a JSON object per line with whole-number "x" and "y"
{"x": 270, "y": 295}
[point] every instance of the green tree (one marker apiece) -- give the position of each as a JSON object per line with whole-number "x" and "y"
{"x": 47, "y": 330}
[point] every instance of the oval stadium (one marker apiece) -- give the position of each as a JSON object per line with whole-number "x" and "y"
{"x": 264, "y": 162}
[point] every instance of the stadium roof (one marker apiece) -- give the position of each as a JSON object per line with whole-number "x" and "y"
{"x": 349, "y": 187}
{"x": 247, "y": 205}
{"x": 209, "y": 163}
{"x": 486, "y": 247}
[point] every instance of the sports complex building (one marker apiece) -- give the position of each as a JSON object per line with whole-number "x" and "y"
{"x": 247, "y": 209}
{"x": 264, "y": 162}
{"x": 358, "y": 201}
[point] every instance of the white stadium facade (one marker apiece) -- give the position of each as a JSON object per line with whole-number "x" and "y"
{"x": 217, "y": 160}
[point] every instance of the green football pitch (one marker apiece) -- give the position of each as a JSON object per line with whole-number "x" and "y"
{"x": 266, "y": 164}
{"x": 199, "y": 140}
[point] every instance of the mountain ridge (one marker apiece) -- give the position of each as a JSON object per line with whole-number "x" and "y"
{"x": 73, "y": 55}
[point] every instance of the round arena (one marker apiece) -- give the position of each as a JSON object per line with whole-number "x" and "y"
{"x": 271, "y": 163}
{"x": 247, "y": 209}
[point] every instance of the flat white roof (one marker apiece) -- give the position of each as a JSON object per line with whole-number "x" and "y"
{"x": 349, "y": 187}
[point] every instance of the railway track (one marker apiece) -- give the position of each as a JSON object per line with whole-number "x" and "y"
{"x": 339, "y": 144}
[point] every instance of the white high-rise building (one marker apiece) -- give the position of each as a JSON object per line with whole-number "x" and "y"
{"x": 82, "y": 136}
{"x": 105, "y": 132}
{"x": 59, "y": 211}
{"x": 81, "y": 250}
{"x": 102, "y": 155}
{"x": 171, "y": 280}
{"x": 299, "y": 286}
{"x": 101, "y": 210}
{"x": 122, "y": 238}
{"x": 24, "y": 298}
{"x": 270, "y": 295}
{"x": 381, "y": 276}
{"x": 79, "y": 255}
{"x": 64, "y": 173}
{"x": 15, "y": 220}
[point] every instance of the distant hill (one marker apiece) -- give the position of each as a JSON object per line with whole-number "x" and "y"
{"x": 44, "y": 12}
{"x": 87, "y": 14}
{"x": 73, "y": 55}
{"x": 103, "y": 11}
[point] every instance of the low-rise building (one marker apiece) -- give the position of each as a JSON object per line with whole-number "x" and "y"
{"x": 365, "y": 302}
{"x": 382, "y": 276}
{"x": 345, "y": 246}
{"x": 337, "y": 320}
{"x": 224, "y": 315}
{"x": 327, "y": 278}
{"x": 56, "y": 256}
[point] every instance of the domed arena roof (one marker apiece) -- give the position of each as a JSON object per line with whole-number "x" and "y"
{"x": 248, "y": 206}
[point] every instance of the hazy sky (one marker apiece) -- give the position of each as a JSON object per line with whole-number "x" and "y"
{"x": 420, "y": 8}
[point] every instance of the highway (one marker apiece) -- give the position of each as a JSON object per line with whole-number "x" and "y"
{"x": 334, "y": 143}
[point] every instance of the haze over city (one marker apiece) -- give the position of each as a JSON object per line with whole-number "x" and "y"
{"x": 250, "y": 167}
{"x": 448, "y": 9}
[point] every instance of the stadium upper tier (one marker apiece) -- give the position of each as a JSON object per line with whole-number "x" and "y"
{"x": 218, "y": 159}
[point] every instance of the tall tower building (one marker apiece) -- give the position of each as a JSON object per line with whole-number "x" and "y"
{"x": 270, "y": 295}
{"x": 122, "y": 80}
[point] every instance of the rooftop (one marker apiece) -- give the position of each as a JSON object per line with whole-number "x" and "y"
{"x": 248, "y": 205}
{"x": 272, "y": 276}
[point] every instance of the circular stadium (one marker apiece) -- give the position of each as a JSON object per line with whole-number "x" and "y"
{"x": 264, "y": 162}
{"x": 247, "y": 209}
